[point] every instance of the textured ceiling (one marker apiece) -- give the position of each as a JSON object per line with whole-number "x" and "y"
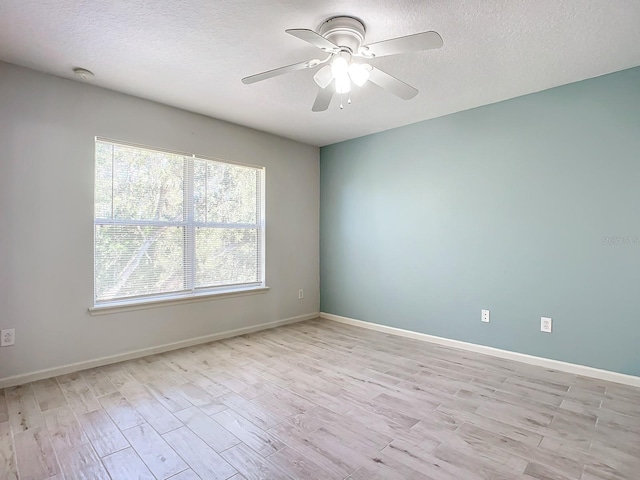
{"x": 192, "y": 53}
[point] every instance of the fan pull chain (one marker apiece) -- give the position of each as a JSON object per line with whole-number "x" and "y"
{"x": 342, "y": 99}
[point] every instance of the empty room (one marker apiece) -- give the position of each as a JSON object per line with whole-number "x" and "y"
{"x": 319, "y": 240}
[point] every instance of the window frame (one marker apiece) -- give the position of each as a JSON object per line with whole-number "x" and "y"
{"x": 192, "y": 292}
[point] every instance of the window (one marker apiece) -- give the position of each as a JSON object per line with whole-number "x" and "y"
{"x": 174, "y": 225}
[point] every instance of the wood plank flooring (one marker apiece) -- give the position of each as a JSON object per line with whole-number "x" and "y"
{"x": 320, "y": 400}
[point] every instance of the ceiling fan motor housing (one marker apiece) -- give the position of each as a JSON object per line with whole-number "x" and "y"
{"x": 346, "y": 32}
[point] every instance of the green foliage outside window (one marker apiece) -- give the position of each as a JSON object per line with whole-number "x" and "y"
{"x": 170, "y": 223}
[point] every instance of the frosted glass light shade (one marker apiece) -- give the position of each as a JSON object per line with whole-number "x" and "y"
{"x": 359, "y": 73}
{"x": 343, "y": 84}
{"x": 323, "y": 76}
{"x": 339, "y": 67}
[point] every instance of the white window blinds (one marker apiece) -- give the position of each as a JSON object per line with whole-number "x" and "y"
{"x": 174, "y": 224}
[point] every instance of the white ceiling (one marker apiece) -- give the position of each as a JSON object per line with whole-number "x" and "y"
{"x": 192, "y": 53}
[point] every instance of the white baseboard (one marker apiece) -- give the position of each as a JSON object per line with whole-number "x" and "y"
{"x": 496, "y": 352}
{"x": 98, "y": 362}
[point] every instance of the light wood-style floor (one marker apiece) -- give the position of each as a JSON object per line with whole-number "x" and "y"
{"x": 320, "y": 400}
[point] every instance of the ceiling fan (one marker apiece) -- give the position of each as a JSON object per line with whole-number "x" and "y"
{"x": 342, "y": 38}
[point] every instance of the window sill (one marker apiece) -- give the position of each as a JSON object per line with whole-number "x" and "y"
{"x": 127, "y": 306}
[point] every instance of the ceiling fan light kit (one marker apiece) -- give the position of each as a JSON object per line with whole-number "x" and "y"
{"x": 342, "y": 38}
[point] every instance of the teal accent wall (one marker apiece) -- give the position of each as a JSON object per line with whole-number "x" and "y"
{"x": 529, "y": 207}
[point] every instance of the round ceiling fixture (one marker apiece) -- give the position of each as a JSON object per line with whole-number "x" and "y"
{"x": 83, "y": 73}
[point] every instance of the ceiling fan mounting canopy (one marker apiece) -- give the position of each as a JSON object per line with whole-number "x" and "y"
{"x": 341, "y": 39}
{"x": 345, "y": 32}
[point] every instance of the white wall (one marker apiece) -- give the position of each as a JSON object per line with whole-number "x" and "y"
{"x": 47, "y": 130}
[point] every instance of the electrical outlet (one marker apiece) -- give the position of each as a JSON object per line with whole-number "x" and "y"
{"x": 485, "y": 316}
{"x": 545, "y": 324}
{"x": 7, "y": 337}
{"x": 301, "y": 293}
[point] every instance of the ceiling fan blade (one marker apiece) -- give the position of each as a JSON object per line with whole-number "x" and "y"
{"x": 392, "y": 84}
{"x": 323, "y": 99}
{"x": 280, "y": 71}
{"x": 410, "y": 43}
{"x": 314, "y": 39}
